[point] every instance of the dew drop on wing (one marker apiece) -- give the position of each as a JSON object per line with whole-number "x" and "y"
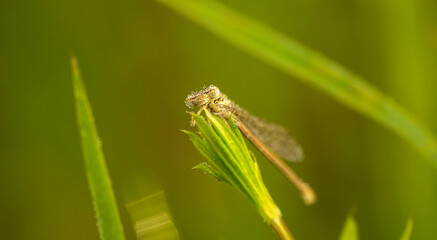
{"x": 274, "y": 136}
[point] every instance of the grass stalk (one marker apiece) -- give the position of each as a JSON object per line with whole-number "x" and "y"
{"x": 281, "y": 229}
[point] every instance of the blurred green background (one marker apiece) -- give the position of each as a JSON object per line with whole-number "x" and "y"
{"x": 139, "y": 61}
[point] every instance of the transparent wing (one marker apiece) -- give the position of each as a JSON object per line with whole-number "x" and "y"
{"x": 274, "y": 136}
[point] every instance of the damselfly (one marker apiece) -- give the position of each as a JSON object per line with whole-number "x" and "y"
{"x": 270, "y": 139}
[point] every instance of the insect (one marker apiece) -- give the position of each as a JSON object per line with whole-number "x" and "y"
{"x": 270, "y": 139}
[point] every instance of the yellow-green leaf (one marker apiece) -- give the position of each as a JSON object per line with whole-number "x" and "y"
{"x": 350, "y": 230}
{"x": 408, "y": 229}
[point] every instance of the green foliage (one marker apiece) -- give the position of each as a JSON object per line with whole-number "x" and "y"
{"x": 208, "y": 170}
{"x": 408, "y": 229}
{"x": 108, "y": 220}
{"x": 309, "y": 66}
{"x": 230, "y": 161}
{"x": 350, "y": 230}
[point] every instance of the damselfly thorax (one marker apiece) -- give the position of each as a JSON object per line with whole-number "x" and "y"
{"x": 274, "y": 136}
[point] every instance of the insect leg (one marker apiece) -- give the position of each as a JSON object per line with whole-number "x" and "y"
{"x": 193, "y": 122}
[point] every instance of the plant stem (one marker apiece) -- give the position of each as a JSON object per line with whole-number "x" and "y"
{"x": 281, "y": 229}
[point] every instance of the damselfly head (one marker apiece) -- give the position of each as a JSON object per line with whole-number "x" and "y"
{"x": 202, "y": 97}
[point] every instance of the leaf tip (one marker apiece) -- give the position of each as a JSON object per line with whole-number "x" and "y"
{"x": 73, "y": 60}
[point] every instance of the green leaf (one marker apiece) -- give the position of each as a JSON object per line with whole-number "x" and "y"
{"x": 408, "y": 229}
{"x": 213, "y": 157}
{"x": 99, "y": 182}
{"x": 309, "y": 66}
{"x": 235, "y": 129}
{"x": 209, "y": 170}
{"x": 350, "y": 230}
{"x": 206, "y": 150}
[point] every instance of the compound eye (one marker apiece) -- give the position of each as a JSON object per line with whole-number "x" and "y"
{"x": 214, "y": 93}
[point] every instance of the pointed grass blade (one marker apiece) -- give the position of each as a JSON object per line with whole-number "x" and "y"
{"x": 350, "y": 230}
{"x": 309, "y": 66}
{"x": 108, "y": 219}
{"x": 210, "y": 171}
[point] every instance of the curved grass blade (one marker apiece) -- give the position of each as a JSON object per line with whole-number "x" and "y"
{"x": 408, "y": 229}
{"x": 309, "y": 66}
{"x": 108, "y": 219}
